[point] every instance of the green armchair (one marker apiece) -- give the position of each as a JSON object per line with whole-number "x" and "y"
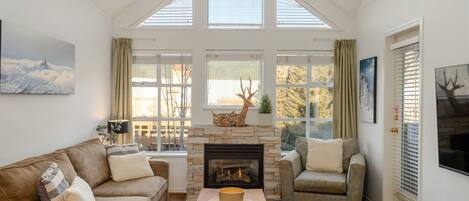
{"x": 298, "y": 184}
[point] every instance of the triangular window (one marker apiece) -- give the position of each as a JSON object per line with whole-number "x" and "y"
{"x": 176, "y": 13}
{"x": 291, "y": 14}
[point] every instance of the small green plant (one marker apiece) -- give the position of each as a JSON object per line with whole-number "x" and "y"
{"x": 265, "y": 105}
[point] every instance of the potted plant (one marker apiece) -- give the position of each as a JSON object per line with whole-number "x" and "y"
{"x": 265, "y": 117}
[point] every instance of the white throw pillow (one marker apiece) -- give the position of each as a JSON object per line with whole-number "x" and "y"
{"x": 79, "y": 191}
{"x": 325, "y": 155}
{"x": 131, "y": 166}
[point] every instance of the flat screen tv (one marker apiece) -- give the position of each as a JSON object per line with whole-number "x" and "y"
{"x": 452, "y": 99}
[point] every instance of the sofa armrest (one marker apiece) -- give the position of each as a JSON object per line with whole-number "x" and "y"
{"x": 356, "y": 177}
{"x": 290, "y": 168}
{"x": 160, "y": 168}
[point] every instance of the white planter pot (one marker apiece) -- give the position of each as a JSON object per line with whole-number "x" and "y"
{"x": 264, "y": 120}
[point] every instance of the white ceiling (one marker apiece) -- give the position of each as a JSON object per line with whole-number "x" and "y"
{"x": 114, "y": 7}
{"x": 350, "y": 7}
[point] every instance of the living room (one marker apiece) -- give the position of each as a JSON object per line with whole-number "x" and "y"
{"x": 292, "y": 100}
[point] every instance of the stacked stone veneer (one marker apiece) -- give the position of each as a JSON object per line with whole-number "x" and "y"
{"x": 200, "y": 135}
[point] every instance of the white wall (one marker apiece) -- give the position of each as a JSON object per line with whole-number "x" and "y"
{"x": 36, "y": 124}
{"x": 445, "y": 41}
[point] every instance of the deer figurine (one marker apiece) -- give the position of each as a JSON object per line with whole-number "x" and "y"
{"x": 247, "y": 102}
{"x": 233, "y": 119}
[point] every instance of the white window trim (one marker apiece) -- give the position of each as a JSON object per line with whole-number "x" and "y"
{"x": 206, "y": 106}
{"x": 418, "y": 22}
{"x": 158, "y": 84}
{"x": 308, "y": 85}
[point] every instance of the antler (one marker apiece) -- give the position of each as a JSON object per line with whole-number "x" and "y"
{"x": 243, "y": 90}
{"x": 250, "y": 88}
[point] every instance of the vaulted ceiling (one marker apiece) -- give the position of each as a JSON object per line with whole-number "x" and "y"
{"x": 114, "y": 7}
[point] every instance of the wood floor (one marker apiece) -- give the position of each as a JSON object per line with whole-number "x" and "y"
{"x": 177, "y": 197}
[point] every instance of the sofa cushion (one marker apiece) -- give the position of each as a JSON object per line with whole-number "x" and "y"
{"x": 122, "y": 199}
{"x": 121, "y": 149}
{"x": 18, "y": 181}
{"x": 128, "y": 167}
{"x": 321, "y": 182}
{"x": 52, "y": 184}
{"x": 90, "y": 162}
{"x": 145, "y": 187}
{"x": 79, "y": 191}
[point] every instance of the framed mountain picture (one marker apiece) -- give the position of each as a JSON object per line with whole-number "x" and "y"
{"x": 33, "y": 63}
{"x": 367, "y": 110}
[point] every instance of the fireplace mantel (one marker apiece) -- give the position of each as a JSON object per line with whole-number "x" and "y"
{"x": 201, "y": 135}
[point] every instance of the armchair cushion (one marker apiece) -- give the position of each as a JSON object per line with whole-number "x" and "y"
{"x": 350, "y": 148}
{"x": 321, "y": 182}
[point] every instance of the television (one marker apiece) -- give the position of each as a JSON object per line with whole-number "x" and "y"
{"x": 452, "y": 100}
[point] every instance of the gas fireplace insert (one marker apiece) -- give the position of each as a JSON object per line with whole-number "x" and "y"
{"x": 234, "y": 165}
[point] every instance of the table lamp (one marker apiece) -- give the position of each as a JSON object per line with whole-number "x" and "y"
{"x": 117, "y": 127}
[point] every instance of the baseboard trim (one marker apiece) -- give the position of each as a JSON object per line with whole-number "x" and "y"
{"x": 177, "y": 190}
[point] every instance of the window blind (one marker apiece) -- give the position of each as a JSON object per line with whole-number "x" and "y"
{"x": 290, "y": 14}
{"x": 163, "y": 59}
{"x": 176, "y": 13}
{"x": 235, "y": 13}
{"x": 407, "y": 121}
{"x": 234, "y": 55}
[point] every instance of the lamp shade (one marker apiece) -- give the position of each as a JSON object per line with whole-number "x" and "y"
{"x": 118, "y": 126}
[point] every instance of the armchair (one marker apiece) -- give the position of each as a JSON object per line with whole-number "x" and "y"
{"x": 298, "y": 184}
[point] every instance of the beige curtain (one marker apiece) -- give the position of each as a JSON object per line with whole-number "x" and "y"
{"x": 345, "y": 90}
{"x": 122, "y": 83}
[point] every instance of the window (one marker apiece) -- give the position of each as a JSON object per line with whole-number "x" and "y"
{"x": 175, "y": 13}
{"x": 407, "y": 108}
{"x": 304, "y": 96}
{"x": 290, "y": 14}
{"x": 241, "y": 14}
{"x": 161, "y": 100}
{"x": 224, "y": 70}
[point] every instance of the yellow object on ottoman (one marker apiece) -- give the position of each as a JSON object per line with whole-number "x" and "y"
{"x": 231, "y": 194}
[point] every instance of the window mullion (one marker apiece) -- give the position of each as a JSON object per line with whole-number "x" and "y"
{"x": 158, "y": 80}
{"x": 308, "y": 106}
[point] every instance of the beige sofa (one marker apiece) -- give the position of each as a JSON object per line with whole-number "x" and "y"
{"x": 298, "y": 184}
{"x": 18, "y": 181}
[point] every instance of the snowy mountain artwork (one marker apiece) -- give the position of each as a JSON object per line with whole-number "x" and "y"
{"x": 33, "y": 63}
{"x": 367, "y": 110}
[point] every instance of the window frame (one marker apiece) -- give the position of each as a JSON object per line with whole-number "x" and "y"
{"x": 260, "y": 53}
{"x": 236, "y": 28}
{"x": 308, "y": 85}
{"x": 159, "y": 85}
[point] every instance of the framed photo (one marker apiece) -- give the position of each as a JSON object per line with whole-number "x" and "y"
{"x": 368, "y": 72}
{"x": 34, "y": 63}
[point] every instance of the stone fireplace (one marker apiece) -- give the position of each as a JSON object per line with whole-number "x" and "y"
{"x": 246, "y": 157}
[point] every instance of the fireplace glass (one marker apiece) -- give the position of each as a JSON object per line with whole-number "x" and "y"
{"x": 233, "y": 172}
